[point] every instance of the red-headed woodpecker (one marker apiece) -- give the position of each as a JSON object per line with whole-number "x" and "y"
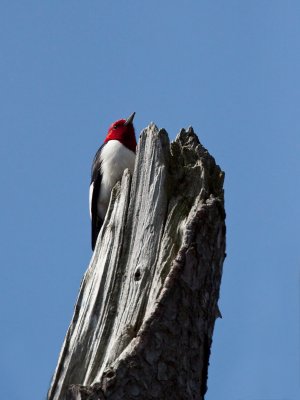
{"x": 113, "y": 157}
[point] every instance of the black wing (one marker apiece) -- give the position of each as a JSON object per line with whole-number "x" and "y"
{"x": 96, "y": 178}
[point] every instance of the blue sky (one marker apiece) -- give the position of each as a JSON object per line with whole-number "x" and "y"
{"x": 228, "y": 68}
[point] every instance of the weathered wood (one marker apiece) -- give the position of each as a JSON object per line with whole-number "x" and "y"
{"x": 143, "y": 322}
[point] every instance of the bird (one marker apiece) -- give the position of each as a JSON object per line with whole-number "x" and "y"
{"x": 115, "y": 155}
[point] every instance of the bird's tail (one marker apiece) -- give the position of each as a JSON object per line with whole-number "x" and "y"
{"x": 96, "y": 226}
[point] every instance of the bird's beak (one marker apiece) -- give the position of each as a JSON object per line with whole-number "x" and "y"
{"x": 129, "y": 119}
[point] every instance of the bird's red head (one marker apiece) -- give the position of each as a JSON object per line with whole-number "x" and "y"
{"x": 123, "y": 131}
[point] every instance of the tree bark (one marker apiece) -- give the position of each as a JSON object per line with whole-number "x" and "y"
{"x": 144, "y": 318}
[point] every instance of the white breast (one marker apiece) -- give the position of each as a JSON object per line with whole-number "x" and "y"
{"x": 115, "y": 158}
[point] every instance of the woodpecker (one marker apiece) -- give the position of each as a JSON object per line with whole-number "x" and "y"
{"x": 115, "y": 155}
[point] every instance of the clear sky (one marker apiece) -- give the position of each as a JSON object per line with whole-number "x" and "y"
{"x": 228, "y": 68}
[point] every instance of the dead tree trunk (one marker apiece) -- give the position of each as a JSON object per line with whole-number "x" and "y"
{"x": 143, "y": 322}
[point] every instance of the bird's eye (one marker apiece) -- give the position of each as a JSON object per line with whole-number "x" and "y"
{"x": 115, "y": 127}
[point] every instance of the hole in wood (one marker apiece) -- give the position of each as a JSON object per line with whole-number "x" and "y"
{"x": 137, "y": 274}
{"x": 109, "y": 374}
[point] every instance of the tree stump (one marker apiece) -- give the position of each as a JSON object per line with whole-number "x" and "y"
{"x": 143, "y": 322}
